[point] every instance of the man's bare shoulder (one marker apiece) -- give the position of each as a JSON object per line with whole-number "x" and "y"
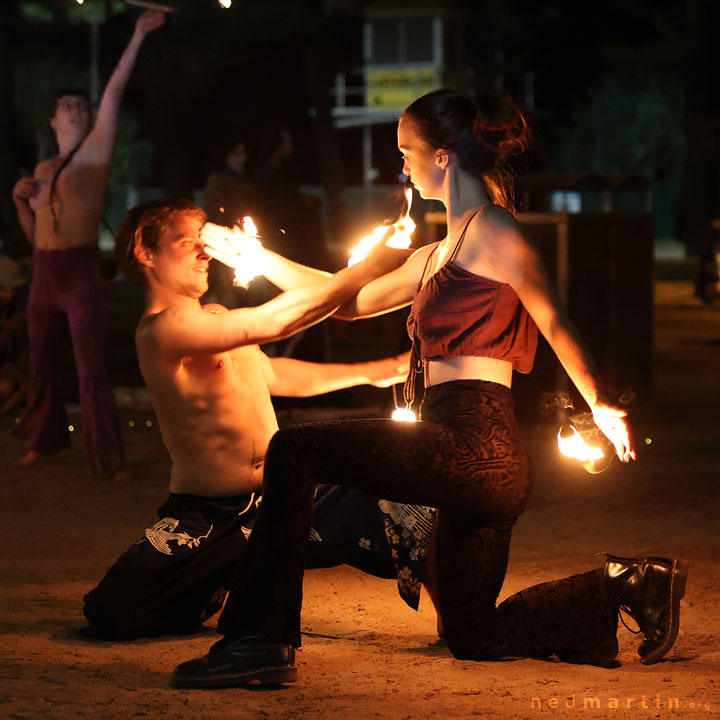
{"x": 161, "y": 331}
{"x": 214, "y": 308}
{"x": 146, "y": 330}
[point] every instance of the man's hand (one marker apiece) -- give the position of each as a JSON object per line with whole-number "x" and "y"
{"x": 389, "y": 371}
{"x": 150, "y": 20}
{"x": 25, "y": 188}
{"x": 228, "y": 245}
{"x": 612, "y": 420}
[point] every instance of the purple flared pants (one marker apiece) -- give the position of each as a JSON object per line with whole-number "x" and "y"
{"x": 67, "y": 285}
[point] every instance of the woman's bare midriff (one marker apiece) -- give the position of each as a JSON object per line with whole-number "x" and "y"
{"x": 76, "y": 228}
{"x": 468, "y": 368}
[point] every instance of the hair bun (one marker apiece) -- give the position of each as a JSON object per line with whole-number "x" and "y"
{"x": 499, "y": 125}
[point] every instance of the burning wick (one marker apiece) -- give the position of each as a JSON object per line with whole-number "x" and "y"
{"x": 225, "y": 3}
{"x": 399, "y": 234}
{"x": 79, "y": 2}
{"x": 252, "y": 265}
{"x": 404, "y": 415}
{"x": 570, "y": 443}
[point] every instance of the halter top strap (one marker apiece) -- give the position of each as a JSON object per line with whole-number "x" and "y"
{"x": 416, "y": 363}
{"x": 462, "y": 236}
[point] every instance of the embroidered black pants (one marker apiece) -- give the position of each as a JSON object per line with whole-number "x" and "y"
{"x": 467, "y": 459}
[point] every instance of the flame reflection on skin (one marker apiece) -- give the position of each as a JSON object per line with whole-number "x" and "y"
{"x": 404, "y": 415}
{"x": 400, "y": 237}
{"x": 252, "y": 264}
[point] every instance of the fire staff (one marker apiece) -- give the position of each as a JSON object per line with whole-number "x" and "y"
{"x": 478, "y": 297}
{"x": 59, "y": 209}
{"x": 210, "y": 386}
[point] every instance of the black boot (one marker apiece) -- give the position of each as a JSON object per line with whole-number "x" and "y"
{"x": 242, "y": 661}
{"x": 649, "y": 590}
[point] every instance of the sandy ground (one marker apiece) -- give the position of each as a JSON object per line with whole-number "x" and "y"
{"x": 365, "y": 654}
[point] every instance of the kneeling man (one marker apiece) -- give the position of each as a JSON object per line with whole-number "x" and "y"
{"x": 210, "y": 386}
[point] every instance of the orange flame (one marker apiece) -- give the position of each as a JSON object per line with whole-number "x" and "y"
{"x": 252, "y": 265}
{"x": 249, "y": 228}
{"x": 404, "y": 415}
{"x": 573, "y": 446}
{"x": 403, "y": 229}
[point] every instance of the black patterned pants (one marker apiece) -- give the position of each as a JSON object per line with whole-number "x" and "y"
{"x": 467, "y": 459}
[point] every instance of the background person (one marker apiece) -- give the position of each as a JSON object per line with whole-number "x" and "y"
{"x": 59, "y": 210}
{"x": 229, "y": 196}
{"x": 13, "y": 334}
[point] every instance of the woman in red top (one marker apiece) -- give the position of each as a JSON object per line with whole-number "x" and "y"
{"x": 477, "y": 298}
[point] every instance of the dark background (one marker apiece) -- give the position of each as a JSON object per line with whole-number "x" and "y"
{"x": 626, "y": 86}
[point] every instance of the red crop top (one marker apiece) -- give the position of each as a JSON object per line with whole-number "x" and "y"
{"x": 457, "y": 313}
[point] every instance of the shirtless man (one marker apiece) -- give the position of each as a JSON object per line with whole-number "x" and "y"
{"x": 59, "y": 210}
{"x": 210, "y": 386}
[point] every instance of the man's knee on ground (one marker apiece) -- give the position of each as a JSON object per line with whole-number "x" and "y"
{"x": 110, "y": 617}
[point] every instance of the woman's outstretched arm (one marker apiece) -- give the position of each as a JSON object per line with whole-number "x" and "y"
{"x": 514, "y": 259}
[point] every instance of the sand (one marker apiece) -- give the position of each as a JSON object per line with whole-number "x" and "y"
{"x": 365, "y": 654}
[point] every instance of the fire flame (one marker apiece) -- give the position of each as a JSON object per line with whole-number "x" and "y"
{"x": 404, "y": 415}
{"x": 252, "y": 265}
{"x": 225, "y": 3}
{"x": 575, "y": 447}
{"x": 400, "y": 238}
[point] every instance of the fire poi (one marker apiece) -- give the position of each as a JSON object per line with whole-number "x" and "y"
{"x": 397, "y": 235}
{"x": 572, "y": 445}
{"x": 402, "y": 414}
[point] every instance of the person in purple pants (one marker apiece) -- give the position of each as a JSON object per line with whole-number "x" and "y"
{"x": 59, "y": 210}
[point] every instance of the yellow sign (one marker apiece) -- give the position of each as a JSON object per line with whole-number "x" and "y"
{"x": 398, "y": 88}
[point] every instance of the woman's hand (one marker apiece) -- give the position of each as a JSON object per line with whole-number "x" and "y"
{"x": 25, "y": 188}
{"x": 150, "y": 20}
{"x": 612, "y": 420}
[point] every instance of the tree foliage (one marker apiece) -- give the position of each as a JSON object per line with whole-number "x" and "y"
{"x": 626, "y": 126}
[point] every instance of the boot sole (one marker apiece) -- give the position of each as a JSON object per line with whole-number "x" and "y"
{"x": 261, "y": 676}
{"x": 678, "y": 583}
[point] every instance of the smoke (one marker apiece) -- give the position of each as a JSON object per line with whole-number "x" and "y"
{"x": 561, "y": 405}
{"x": 553, "y": 402}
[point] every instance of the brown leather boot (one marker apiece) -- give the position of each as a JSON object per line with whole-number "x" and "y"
{"x": 649, "y": 590}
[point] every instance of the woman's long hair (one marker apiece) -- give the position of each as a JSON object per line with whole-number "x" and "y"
{"x": 482, "y": 131}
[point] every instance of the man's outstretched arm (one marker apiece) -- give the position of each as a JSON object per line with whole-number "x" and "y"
{"x": 180, "y": 332}
{"x": 296, "y": 378}
{"x": 228, "y": 245}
